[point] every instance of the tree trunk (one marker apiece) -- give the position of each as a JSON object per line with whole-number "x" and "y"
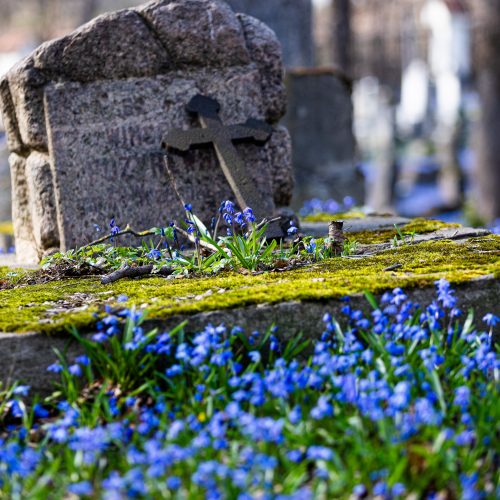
{"x": 487, "y": 58}
{"x": 341, "y": 34}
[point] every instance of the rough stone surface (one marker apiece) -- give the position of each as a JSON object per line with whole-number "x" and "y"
{"x": 26, "y": 356}
{"x": 292, "y": 22}
{"x": 94, "y": 104}
{"x": 319, "y": 118}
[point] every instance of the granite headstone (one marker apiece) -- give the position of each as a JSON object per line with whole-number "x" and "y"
{"x": 85, "y": 115}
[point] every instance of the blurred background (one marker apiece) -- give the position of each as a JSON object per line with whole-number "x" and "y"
{"x": 394, "y": 104}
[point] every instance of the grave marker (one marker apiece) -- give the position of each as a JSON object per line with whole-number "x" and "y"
{"x": 85, "y": 115}
{"x": 214, "y": 132}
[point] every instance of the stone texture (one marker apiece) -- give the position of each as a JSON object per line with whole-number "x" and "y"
{"x": 320, "y": 118}
{"x": 291, "y": 20}
{"x": 196, "y": 31}
{"x": 21, "y": 215}
{"x": 94, "y": 105}
{"x": 265, "y": 51}
{"x": 42, "y": 202}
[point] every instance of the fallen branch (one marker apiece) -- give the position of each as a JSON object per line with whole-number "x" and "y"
{"x": 134, "y": 272}
{"x": 127, "y": 230}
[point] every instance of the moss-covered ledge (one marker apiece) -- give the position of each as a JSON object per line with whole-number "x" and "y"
{"x": 52, "y": 307}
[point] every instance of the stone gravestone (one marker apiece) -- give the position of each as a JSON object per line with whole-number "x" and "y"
{"x": 320, "y": 119}
{"x": 291, "y": 20}
{"x": 85, "y": 115}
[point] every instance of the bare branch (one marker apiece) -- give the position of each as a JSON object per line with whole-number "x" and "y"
{"x": 134, "y": 272}
{"x": 127, "y": 230}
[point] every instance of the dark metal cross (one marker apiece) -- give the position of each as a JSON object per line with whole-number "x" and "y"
{"x": 214, "y": 132}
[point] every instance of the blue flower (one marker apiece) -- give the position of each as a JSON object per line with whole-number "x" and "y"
{"x": 55, "y": 368}
{"x": 228, "y": 218}
{"x": 154, "y": 253}
{"x": 292, "y": 229}
{"x": 75, "y": 370}
{"x": 21, "y": 390}
{"x": 490, "y": 319}
{"x": 462, "y": 397}
{"x": 229, "y": 207}
{"x": 188, "y": 207}
{"x": 83, "y": 488}
{"x": 254, "y": 356}
{"x": 319, "y": 453}
{"x": 82, "y": 360}
{"x": 173, "y": 483}
{"x": 249, "y": 216}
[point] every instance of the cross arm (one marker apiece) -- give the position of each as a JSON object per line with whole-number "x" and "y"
{"x": 253, "y": 129}
{"x": 185, "y": 139}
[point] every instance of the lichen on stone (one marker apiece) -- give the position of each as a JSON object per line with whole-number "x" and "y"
{"x": 55, "y": 306}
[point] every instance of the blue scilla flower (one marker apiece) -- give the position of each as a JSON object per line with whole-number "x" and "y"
{"x": 462, "y": 397}
{"x": 319, "y": 453}
{"x": 311, "y": 246}
{"x": 295, "y": 416}
{"x": 154, "y": 253}
{"x": 229, "y": 207}
{"x": 188, "y": 207}
{"x": 114, "y": 227}
{"x": 491, "y": 320}
{"x": 238, "y": 218}
{"x": 55, "y": 368}
{"x": 254, "y": 356}
{"x": 249, "y": 216}
{"x": 21, "y": 390}
{"x": 82, "y": 360}
{"x": 83, "y": 488}
{"x": 322, "y": 409}
{"x": 228, "y": 218}
{"x": 292, "y": 229}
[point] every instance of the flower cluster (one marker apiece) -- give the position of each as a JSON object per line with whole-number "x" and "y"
{"x": 400, "y": 402}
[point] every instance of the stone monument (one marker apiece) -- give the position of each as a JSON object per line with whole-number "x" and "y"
{"x": 85, "y": 115}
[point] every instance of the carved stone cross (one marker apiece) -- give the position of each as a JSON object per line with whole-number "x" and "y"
{"x": 214, "y": 132}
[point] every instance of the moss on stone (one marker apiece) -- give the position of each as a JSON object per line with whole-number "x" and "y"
{"x": 323, "y": 217}
{"x": 416, "y": 226}
{"x": 54, "y": 306}
{"x": 6, "y": 227}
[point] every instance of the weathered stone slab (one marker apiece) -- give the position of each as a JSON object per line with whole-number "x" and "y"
{"x": 320, "y": 120}
{"x": 25, "y": 357}
{"x": 85, "y": 115}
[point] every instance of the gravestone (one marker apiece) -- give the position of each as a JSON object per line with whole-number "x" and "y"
{"x": 85, "y": 115}
{"x": 320, "y": 120}
{"x": 291, "y": 20}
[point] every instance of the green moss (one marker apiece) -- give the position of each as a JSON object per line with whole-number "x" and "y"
{"x": 6, "y": 227}
{"x": 416, "y": 226}
{"x": 322, "y": 217}
{"x": 42, "y": 307}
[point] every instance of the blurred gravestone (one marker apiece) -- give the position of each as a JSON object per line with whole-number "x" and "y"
{"x": 85, "y": 115}
{"x": 291, "y": 20}
{"x": 320, "y": 119}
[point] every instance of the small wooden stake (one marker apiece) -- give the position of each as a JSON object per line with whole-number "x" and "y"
{"x": 336, "y": 236}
